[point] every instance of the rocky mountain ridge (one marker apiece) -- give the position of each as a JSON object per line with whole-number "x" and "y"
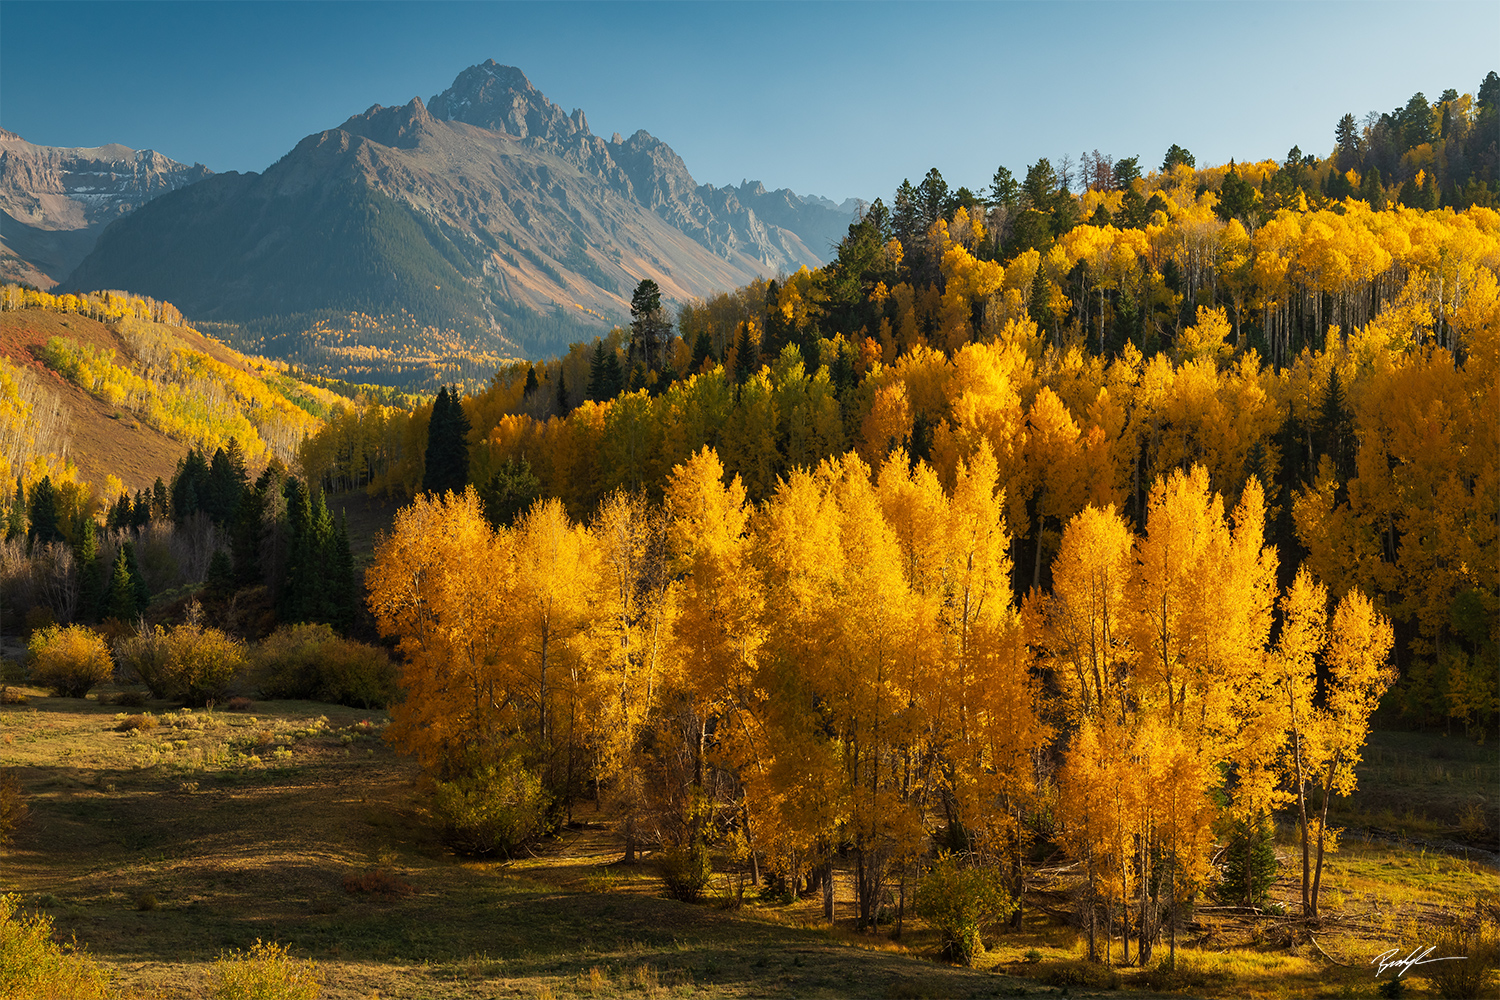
{"x": 55, "y": 201}
{"x": 486, "y": 217}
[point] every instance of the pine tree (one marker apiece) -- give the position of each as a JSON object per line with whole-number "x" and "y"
{"x": 1249, "y": 863}
{"x": 342, "y": 587}
{"x": 219, "y": 585}
{"x": 703, "y": 351}
{"x": 597, "y": 377}
{"x": 746, "y": 362}
{"x": 90, "y": 572}
{"x": 563, "y": 409}
{"x": 297, "y": 580}
{"x": 44, "y": 514}
{"x": 15, "y": 518}
{"x": 192, "y": 491}
{"x": 120, "y": 601}
{"x": 531, "y": 385}
{"x": 447, "y": 456}
{"x": 245, "y": 532}
{"x": 159, "y": 505}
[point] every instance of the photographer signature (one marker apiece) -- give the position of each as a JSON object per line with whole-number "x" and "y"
{"x": 1418, "y": 956}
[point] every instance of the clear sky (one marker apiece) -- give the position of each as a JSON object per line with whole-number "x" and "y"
{"x": 841, "y": 99}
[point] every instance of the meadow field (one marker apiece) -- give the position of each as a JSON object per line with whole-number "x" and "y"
{"x": 160, "y": 839}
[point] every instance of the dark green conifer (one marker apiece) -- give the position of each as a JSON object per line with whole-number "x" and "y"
{"x": 703, "y": 350}
{"x": 219, "y": 585}
{"x": 44, "y": 513}
{"x": 91, "y": 579}
{"x": 15, "y": 518}
{"x": 120, "y": 601}
{"x": 1249, "y": 863}
{"x": 745, "y": 359}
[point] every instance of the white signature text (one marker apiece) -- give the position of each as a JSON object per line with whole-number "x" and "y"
{"x": 1417, "y": 956}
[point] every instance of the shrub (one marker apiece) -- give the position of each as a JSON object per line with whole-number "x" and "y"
{"x": 1087, "y": 974}
{"x": 189, "y": 662}
{"x": 145, "y": 655}
{"x": 137, "y": 723}
{"x": 686, "y": 871}
{"x": 1478, "y": 941}
{"x": 266, "y": 972}
{"x": 239, "y": 704}
{"x": 12, "y": 806}
{"x": 311, "y": 661}
{"x": 958, "y": 900}
{"x": 492, "y": 810}
{"x": 130, "y": 699}
{"x": 69, "y": 660}
{"x": 33, "y": 965}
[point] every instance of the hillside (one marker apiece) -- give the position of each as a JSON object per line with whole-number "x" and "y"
{"x": 490, "y": 227}
{"x": 55, "y": 201}
{"x": 128, "y": 390}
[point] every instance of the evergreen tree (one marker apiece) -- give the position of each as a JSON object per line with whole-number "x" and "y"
{"x": 226, "y": 482}
{"x": 91, "y": 579}
{"x": 1004, "y": 191}
{"x": 703, "y": 351}
{"x": 160, "y": 505}
{"x": 1249, "y": 863}
{"x": 1370, "y": 190}
{"x": 120, "y": 513}
{"x": 191, "y": 489}
{"x": 1101, "y": 217}
{"x": 1132, "y": 213}
{"x": 140, "y": 511}
{"x": 137, "y": 579}
{"x": 531, "y": 386}
{"x": 905, "y": 217}
{"x": 597, "y": 377}
{"x": 245, "y": 532}
{"x": 120, "y": 601}
{"x": 1335, "y": 427}
{"x": 447, "y": 457}
{"x": 219, "y": 585}
{"x": 510, "y": 493}
{"x": 1237, "y": 197}
{"x": 298, "y": 578}
{"x": 563, "y": 409}
{"x": 746, "y": 361}
{"x": 1346, "y": 135}
{"x": 1127, "y": 170}
{"x": 342, "y": 587}
{"x": 649, "y": 328}
{"x": 1175, "y": 156}
{"x": 44, "y": 514}
{"x": 15, "y": 518}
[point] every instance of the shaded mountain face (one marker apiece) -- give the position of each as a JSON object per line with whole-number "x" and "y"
{"x": 487, "y": 218}
{"x": 55, "y": 201}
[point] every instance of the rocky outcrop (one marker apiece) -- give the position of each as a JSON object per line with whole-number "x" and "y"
{"x": 56, "y": 200}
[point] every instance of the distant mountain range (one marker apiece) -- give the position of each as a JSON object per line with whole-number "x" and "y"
{"x": 55, "y": 201}
{"x": 487, "y": 219}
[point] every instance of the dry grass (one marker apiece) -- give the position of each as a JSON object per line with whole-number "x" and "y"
{"x": 296, "y": 824}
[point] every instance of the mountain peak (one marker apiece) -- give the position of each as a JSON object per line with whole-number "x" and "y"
{"x": 401, "y": 127}
{"x": 501, "y": 99}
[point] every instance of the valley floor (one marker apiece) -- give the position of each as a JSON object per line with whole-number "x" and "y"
{"x": 161, "y": 849}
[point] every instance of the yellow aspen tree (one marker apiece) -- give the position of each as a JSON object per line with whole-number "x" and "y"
{"x": 550, "y": 609}
{"x": 1359, "y": 646}
{"x": 632, "y": 628}
{"x": 718, "y": 632}
{"x": 1082, "y": 625}
{"x": 1304, "y": 610}
{"x": 438, "y": 585}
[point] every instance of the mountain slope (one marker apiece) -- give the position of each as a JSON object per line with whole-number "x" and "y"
{"x": 55, "y": 201}
{"x": 493, "y": 225}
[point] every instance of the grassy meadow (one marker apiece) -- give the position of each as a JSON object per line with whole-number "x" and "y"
{"x": 160, "y": 839}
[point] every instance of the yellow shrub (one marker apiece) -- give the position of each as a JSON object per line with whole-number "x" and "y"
{"x": 266, "y": 972}
{"x": 35, "y": 967}
{"x": 69, "y": 660}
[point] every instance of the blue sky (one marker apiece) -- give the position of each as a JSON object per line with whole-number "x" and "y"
{"x": 841, "y": 99}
